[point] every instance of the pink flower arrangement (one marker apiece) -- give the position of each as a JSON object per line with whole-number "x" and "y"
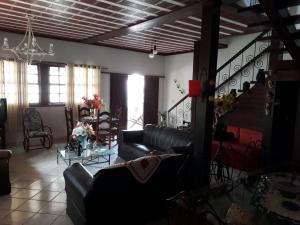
{"x": 83, "y": 129}
{"x": 95, "y": 103}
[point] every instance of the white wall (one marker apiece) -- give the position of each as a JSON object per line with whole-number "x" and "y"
{"x": 180, "y": 67}
{"x": 115, "y": 60}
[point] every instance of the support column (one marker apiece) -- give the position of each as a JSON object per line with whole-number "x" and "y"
{"x": 205, "y": 67}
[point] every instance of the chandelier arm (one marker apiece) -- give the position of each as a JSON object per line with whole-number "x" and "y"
{"x": 28, "y": 48}
{"x": 24, "y": 38}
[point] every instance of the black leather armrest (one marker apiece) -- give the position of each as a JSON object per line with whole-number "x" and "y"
{"x": 5, "y": 154}
{"x": 185, "y": 150}
{"x": 131, "y": 136}
{"x": 78, "y": 180}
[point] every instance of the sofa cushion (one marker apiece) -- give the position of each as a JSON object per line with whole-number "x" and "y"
{"x": 166, "y": 137}
{"x": 247, "y": 135}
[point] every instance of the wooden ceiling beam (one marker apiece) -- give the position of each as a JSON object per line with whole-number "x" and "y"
{"x": 279, "y": 24}
{"x": 193, "y": 9}
{"x": 266, "y": 23}
{"x": 281, "y": 4}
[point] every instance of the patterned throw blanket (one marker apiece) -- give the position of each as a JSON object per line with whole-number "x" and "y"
{"x": 143, "y": 168}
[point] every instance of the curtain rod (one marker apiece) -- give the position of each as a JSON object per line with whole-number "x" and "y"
{"x": 93, "y": 66}
{"x": 160, "y": 76}
{"x": 55, "y": 63}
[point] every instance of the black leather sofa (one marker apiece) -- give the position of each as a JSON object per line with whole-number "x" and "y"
{"x": 153, "y": 139}
{"x": 113, "y": 196}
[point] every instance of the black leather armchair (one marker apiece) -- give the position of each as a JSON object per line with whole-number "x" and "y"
{"x": 153, "y": 140}
{"x": 113, "y": 196}
{"x": 5, "y": 186}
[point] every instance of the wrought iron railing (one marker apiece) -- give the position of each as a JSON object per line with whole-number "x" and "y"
{"x": 243, "y": 66}
{"x": 240, "y": 68}
{"x": 180, "y": 113}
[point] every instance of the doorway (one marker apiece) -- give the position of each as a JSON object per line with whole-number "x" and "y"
{"x": 135, "y": 101}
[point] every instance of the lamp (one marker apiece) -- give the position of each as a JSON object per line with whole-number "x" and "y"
{"x": 151, "y": 54}
{"x": 153, "y": 51}
{"x": 195, "y": 88}
{"x": 28, "y": 48}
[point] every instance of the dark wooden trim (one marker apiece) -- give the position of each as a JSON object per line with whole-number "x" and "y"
{"x": 221, "y": 46}
{"x": 125, "y": 74}
{"x": 184, "y": 12}
{"x": 266, "y": 23}
{"x": 207, "y": 67}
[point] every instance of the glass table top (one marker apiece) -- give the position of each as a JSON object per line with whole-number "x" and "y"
{"x": 97, "y": 151}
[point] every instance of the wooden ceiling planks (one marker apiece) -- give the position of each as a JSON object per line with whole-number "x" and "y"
{"x": 126, "y": 24}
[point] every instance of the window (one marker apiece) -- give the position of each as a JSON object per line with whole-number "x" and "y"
{"x": 86, "y": 82}
{"x": 33, "y": 85}
{"x": 57, "y": 84}
{"x": 47, "y": 84}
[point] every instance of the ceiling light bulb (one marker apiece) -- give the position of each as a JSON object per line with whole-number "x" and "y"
{"x": 151, "y": 56}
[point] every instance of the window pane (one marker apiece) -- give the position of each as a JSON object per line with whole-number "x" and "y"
{"x": 53, "y": 70}
{"x": 63, "y": 98}
{"x": 63, "y": 79}
{"x": 33, "y": 98}
{"x": 53, "y": 79}
{"x": 33, "y": 89}
{"x": 63, "y": 89}
{"x": 54, "y": 89}
{"x": 32, "y": 69}
{"x": 33, "y": 79}
{"x": 62, "y": 71}
{"x": 54, "y": 98}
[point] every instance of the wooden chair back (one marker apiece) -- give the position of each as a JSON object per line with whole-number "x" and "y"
{"x": 69, "y": 121}
{"x": 82, "y": 112}
{"x": 103, "y": 130}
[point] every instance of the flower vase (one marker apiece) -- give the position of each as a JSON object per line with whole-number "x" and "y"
{"x": 92, "y": 112}
{"x": 83, "y": 141}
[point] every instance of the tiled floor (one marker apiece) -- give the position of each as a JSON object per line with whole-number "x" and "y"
{"x": 37, "y": 195}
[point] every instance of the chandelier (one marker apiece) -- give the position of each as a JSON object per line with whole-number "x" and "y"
{"x": 28, "y": 48}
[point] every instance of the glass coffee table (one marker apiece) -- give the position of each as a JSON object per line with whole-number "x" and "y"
{"x": 99, "y": 154}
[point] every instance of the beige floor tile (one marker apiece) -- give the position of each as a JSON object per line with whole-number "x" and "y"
{"x": 32, "y": 206}
{"x": 13, "y": 191}
{"x": 17, "y": 217}
{"x": 45, "y": 195}
{"x": 39, "y": 184}
{"x": 62, "y": 197}
{"x": 25, "y": 193}
{"x": 55, "y": 187}
{"x": 57, "y": 208}
{"x": 41, "y": 219}
{"x": 3, "y": 213}
{"x": 21, "y": 183}
{"x": 63, "y": 220}
{"x": 10, "y": 203}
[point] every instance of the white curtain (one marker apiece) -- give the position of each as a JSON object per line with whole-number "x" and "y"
{"x": 83, "y": 81}
{"x": 13, "y": 80}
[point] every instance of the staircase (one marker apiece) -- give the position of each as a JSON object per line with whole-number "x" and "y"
{"x": 240, "y": 68}
{"x": 283, "y": 17}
